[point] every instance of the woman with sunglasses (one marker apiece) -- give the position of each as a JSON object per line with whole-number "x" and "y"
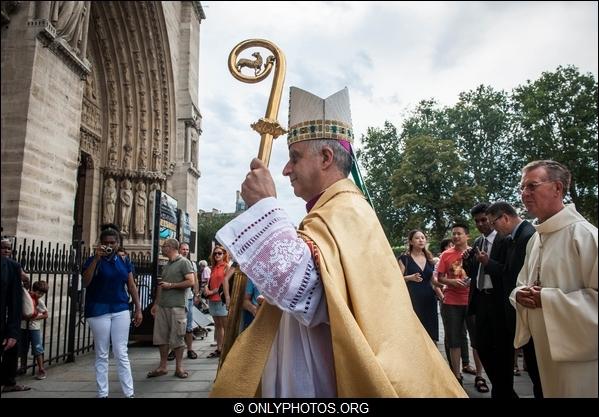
{"x": 219, "y": 261}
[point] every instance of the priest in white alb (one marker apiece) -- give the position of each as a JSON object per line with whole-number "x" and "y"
{"x": 556, "y": 291}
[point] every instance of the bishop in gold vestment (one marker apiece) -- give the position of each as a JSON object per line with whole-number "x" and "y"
{"x": 338, "y": 320}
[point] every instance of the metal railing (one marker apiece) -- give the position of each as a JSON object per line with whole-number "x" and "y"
{"x": 65, "y": 332}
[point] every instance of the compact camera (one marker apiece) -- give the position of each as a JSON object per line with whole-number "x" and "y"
{"x": 107, "y": 249}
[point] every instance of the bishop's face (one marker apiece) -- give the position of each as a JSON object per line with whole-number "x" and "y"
{"x": 303, "y": 170}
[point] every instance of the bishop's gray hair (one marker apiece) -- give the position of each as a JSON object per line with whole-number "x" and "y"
{"x": 341, "y": 157}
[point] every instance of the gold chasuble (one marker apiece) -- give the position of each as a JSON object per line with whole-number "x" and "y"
{"x": 380, "y": 349}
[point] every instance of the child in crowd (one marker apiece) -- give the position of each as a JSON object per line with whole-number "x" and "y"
{"x": 31, "y": 329}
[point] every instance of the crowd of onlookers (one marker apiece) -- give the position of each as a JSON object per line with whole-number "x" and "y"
{"x": 517, "y": 287}
{"x": 110, "y": 289}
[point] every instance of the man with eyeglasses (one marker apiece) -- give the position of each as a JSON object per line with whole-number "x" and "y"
{"x": 556, "y": 290}
{"x": 518, "y": 232}
{"x": 484, "y": 306}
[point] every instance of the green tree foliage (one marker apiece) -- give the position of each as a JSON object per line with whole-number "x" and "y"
{"x": 380, "y": 156}
{"x": 208, "y": 225}
{"x": 445, "y": 159}
{"x": 427, "y": 119}
{"x": 432, "y": 186}
{"x": 480, "y": 125}
{"x": 556, "y": 117}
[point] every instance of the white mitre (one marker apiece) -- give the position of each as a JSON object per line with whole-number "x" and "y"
{"x": 311, "y": 117}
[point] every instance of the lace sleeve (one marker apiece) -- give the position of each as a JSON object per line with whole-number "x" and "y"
{"x": 265, "y": 244}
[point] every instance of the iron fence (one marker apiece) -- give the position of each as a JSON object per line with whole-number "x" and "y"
{"x": 65, "y": 332}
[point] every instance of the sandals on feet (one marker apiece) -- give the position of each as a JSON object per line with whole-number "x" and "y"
{"x": 469, "y": 370}
{"x": 214, "y": 354}
{"x": 481, "y": 384}
{"x": 191, "y": 354}
{"x": 156, "y": 372}
{"x": 181, "y": 374}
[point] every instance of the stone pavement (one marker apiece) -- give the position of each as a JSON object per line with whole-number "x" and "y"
{"x": 77, "y": 380}
{"x": 522, "y": 383}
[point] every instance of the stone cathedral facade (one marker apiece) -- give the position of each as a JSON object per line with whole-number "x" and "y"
{"x": 99, "y": 109}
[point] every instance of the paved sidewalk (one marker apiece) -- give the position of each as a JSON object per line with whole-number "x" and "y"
{"x": 522, "y": 383}
{"x": 77, "y": 380}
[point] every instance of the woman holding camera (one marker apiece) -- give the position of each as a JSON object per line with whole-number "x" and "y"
{"x": 108, "y": 279}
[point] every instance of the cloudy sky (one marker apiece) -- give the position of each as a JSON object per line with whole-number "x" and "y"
{"x": 390, "y": 55}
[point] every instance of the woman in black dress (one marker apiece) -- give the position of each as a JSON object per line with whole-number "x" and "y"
{"x": 417, "y": 265}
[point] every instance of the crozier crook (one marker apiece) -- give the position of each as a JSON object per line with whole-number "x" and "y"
{"x": 268, "y": 126}
{"x": 269, "y": 129}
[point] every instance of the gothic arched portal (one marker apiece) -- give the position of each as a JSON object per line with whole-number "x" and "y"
{"x": 128, "y": 108}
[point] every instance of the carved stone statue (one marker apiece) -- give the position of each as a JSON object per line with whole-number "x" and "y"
{"x": 90, "y": 87}
{"x": 141, "y": 199}
{"x": 112, "y": 157}
{"x": 109, "y": 200}
{"x": 151, "y": 198}
{"x": 68, "y": 17}
{"x": 157, "y": 159}
{"x": 194, "y": 150}
{"x": 126, "y": 201}
{"x": 127, "y": 156}
{"x": 143, "y": 157}
{"x": 8, "y": 8}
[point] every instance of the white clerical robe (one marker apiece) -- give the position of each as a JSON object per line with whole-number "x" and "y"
{"x": 564, "y": 330}
{"x": 300, "y": 363}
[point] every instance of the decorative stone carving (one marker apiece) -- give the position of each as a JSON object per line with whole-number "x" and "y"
{"x": 112, "y": 157}
{"x": 141, "y": 199}
{"x": 68, "y": 17}
{"x": 157, "y": 159}
{"x": 90, "y": 117}
{"x": 143, "y": 157}
{"x": 89, "y": 141}
{"x": 127, "y": 156}
{"x": 194, "y": 151}
{"x": 171, "y": 169}
{"x": 109, "y": 200}
{"x": 8, "y": 8}
{"x": 90, "y": 87}
{"x": 126, "y": 201}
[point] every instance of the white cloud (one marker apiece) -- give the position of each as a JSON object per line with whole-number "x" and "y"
{"x": 391, "y": 55}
